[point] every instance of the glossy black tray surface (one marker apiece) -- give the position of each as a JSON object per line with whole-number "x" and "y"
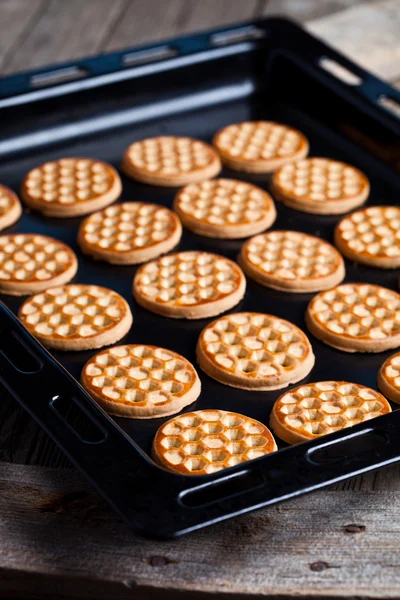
{"x": 193, "y": 86}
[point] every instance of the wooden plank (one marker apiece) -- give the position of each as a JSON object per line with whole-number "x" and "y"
{"x": 146, "y": 21}
{"x": 17, "y": 19}
{"x": 66, "y": 30}
{"x": 306, "y": 10}
{"x": 368, "y": 34}
{"x": 57, "y": 537}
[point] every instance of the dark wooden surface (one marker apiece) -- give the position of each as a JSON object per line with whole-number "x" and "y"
{"x": 57, "y": 536}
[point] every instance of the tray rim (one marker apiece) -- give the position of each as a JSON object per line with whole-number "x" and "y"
{"x": 16, "y": 86}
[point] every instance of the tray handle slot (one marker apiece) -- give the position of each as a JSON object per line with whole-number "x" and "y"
{"x": 58, "y": 76}
{"x": 223, "y": 489}
{"x": 346, "y": 75}
{"x": 18, "y": 354}
{"x": 141, "y": 57}
{"x": 84, "y": 426}
{"x": 390, "y": 104}
{"x": 354, "y": 444}
{"x": 234, "y": 36}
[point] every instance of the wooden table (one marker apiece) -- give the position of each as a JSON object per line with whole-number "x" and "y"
{"x": 57, "y": 537}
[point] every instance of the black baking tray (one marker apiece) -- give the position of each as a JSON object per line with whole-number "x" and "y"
{"x": 270, "y": 69}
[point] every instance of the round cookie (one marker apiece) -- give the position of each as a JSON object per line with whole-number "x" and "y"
{"x": 320, "y": 186}
{"x": 76, "y": 317}
{"x": 259, "y": 146}
{"x": 291, "y": 261}
{"x": 310, "y": 411}
{"x": 389, "y": 378}
{"x": 10, "y": 207}
{"x": 225, "y": 208}
{"x": 356, "y": 317}
{"x": 206, "y": 441}
{"x": 141, "y": 382}
{"x": 371, "y": 236}
{"x": 170, "y": 161}
{"x": 189, "y": 285}
{"x": 130, "y": 233}
{"x": 31, "y": 263}
{"x": 71, "y": 187}
{"x": 253, "y": 351}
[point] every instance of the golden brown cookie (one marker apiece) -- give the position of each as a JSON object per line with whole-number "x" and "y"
{"x": 189, "y": 285}
{"x": 310, "y": 411}
{"x": 291, "y": 261}
{"x": 206, "y": 441}
{"x": 253, "y": 351}
{"x": 371, "y": 236}
{"x": 356, "y": 317}
{"x": 31, "y": 263}
{"x": 170, "y": 161}
{"x": 71, "y": 187}
{"x": 141, "y": 382}
{"x": 130, "y": 233}
{"x": 321, "y": 186}
{"x": 225, "y": 208}
{"x": 389, "y": 378}
{"x": 10, "y": 207}
{"x": 259, "y": 146}
{"x": 76, "y": 317}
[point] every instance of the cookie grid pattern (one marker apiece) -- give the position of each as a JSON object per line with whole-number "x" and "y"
{"x": 372, "y": 234}
{"x": 145, "y": 376}
{"x": 129, "y": 226}
{"x": 222, "y": 202}
{"x": 291, "y": 255}
{"x": 389, "y": 378}
{"x": 254, "y": 346}
{"x": 259, "y": 140}
{"x": 320, "y": 179}
{"x": 188, "y": 279}
{"x": 169, "y": 156}
{"x": 320, "y": 408}
{"x": 69, "y": 181}
{"x": 358, "y": 311}
{"x": 7, "y": 201}
{"x": 207, "y": 441}
{"x": 73, "y": 312}
{"x": 391, "y": 371}
{"x": 33, "y": 258}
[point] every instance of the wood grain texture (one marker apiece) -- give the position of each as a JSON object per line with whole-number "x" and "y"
{"x": 304, "y": 10}
{"x": 65, "y": 30}
{"x": 152, "y": 20}
{"x": 368, "y": 34}
{"x": 17, "y": 17}
{"x": 65, "y": 541}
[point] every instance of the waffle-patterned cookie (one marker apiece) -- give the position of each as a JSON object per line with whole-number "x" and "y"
{"x": 292, "y": 261}
{"x": 225, "y": 208}
{"x": 170, "y": 161}
{"x": 189, "y": 285}
{"x": 71, "y": 187}
{"x": 371, "y": 236}
{"x": 141, "y": 382}
{"x": 206, "y": 441}
{"x": 320, "y": 186}
{"x": 253, "y": 351}
{"x": 130, "y": 233}
{"x": 76, "y": 317}
{"x": 259, "y": 146}
{"x": 356, "y": 317}
{"x": 389, "y": 378}
{"x": 31, "y": 263}
{"x": 309, "y": 411}
{"x": 10, "y": 207}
